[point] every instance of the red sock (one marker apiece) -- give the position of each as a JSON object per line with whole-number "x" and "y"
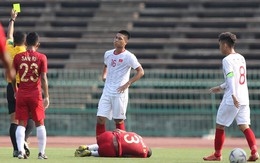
{"x": 100, "y": 128}
{"x": 121, "y": 126}
{"x": 219, "y": 141}
{"x": 250, "y": 137}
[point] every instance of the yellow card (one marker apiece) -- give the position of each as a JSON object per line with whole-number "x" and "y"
{"x": 16, "y": 7}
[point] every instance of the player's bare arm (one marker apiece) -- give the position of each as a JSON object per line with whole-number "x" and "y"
{"x": 15, "y": 88}
{"x": 137, "y": 76}
{"x": 9, "y": 71}
{"x": 10, "y": 30}
{"x": 104, "y": 75}
{"x": 236, "y": 102}
{"x": 44, "y": 81}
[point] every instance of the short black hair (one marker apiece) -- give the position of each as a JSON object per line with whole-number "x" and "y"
{"x": 19, "y": 38}
{"x": 149, "y": 154}
{"x": 32, "y": 39}
{"x": 228, "y": 38}
{"x": 126, "y": 33}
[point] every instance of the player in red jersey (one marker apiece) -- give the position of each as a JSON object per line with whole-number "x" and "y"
{"x": 32, "y": 69}
{"x": 15, "y": 44}
{"x": 118, "y": 143}
{"x": 3, "y": 56}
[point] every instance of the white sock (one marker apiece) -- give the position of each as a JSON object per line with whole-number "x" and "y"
{"x": 42, "y": 138}
{"x": 92, "y": 147}
{"x": 94, "y": 153}
{"x": 20, "y": 135}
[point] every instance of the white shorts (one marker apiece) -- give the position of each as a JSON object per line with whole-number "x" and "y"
{"x": 227, "y": 113}
{"x": 113, "y": 106}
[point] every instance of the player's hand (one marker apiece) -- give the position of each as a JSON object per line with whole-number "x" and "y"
{"x": 119, "y": 131}
{"x": 236, "y": 103}
{"x": 216, "y": 89}
{"x": 46, "y": 102}
{"x": 123, "y": 87}
{"x": 14, "y": 14}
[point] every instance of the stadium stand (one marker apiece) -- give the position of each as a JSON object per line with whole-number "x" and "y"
{"x": 176, "y": 42}
{"x": 178, "y": 34}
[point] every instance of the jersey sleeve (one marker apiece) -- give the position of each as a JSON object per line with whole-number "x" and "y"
{"x": 133, "y": 62}
{"x": 106, "y": 55}
{"x": 44, "y": 64}
{"x": 2, "y": 40}
{"x": 227, "y": 67}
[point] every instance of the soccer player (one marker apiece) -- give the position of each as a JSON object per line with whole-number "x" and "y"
{"x": 15, "y": 44}
{"x": 32, "y": 68}
{"x": 116, "y": 73}
{"x": 235, "y": 102}
{"x": 118, "y": 143}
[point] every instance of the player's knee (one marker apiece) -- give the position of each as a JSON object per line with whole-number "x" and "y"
{"x": 39, "y": 123}
{"x": 221, "y": 127}
{"x": 243, "y": 127}
{"x": 23, "y": 123}
{"x": 119, "y": 121}
{"x": 12, "y": 118}
{"x": 101, "y": 120}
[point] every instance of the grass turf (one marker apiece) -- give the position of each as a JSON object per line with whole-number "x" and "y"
{"x": 160, "y": 155}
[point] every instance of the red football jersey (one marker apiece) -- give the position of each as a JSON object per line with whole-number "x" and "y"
{"x": 2, "y": 40}
{"x": 131, "y": 145}
{"x": 30, "y": 65}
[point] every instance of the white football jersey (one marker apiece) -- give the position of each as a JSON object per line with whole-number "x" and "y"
{"x": 236, "y": 63}
{"x": 118, "y": 70}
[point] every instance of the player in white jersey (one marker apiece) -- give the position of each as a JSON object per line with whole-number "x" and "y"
{"x": 235, "y": 102}
{"x": 116, "y": 75}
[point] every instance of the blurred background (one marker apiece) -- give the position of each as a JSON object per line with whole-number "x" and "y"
{"x": 176, "y": 41}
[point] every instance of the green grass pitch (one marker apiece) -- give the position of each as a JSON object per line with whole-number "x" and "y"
{"x": 160, "y": 155}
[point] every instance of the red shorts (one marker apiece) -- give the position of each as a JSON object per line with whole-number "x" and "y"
{"x": 27, "y": 107}
{"x": 106, "y": 145}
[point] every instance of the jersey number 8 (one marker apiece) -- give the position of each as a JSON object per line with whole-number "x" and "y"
{"x": 242, "y": 77}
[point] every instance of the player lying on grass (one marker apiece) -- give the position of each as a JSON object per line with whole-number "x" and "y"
{"x": 116, "y": 143}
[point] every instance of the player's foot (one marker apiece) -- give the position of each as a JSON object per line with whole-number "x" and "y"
{"x": 22, "y": 155}
{"x": 85, "y": 153}
{"x": 82, "y": 153}
{"x": 253, "y": 157}
{"x": 15, "y": 153}
{"x": 42, "y": 156}
{"x": 77, "y": 153}
{"x": 26, "y": 148}
{"x": 212, "y": 158}
{"x": 82, "y": 147}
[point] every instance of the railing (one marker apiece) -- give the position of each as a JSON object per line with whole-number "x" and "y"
{"x": 162, "y": 103}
